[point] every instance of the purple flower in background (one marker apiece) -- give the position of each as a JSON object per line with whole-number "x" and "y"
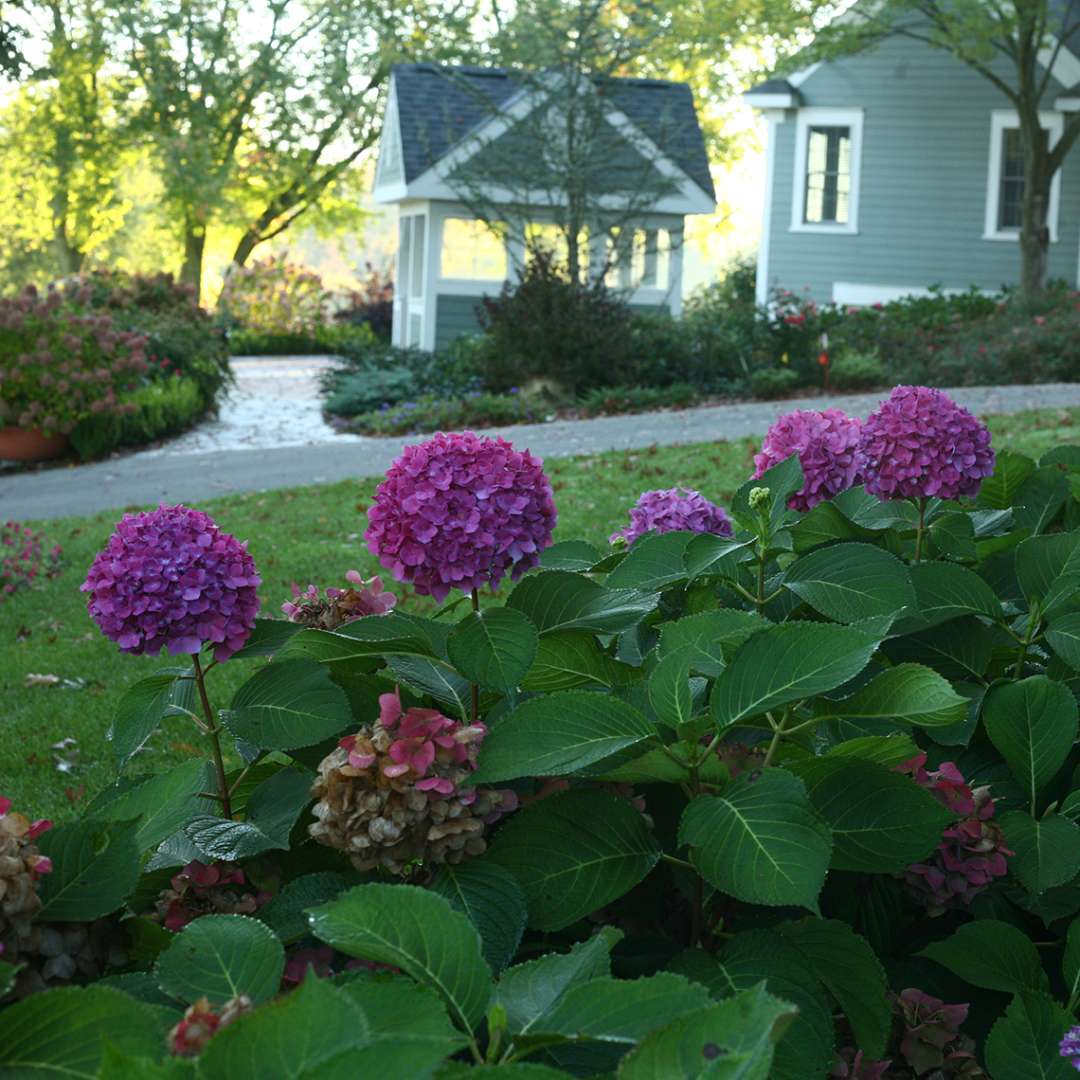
{"x": 461, "y": 511}
{"x": 674, "y": 510}
{"x": 1070, "y": 1046}
{"x": 920, "y": 443}
{"x": 827, "y": 444}
{"x": 171, "y": 578}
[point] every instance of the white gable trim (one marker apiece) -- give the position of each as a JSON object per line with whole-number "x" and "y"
{"x": 1066, "y": 64}
{"x": 390, "y": 150}
{"x": 435, "y": 183}
{"x": 1000, "y": 120}
{"x": 770, "y": 100}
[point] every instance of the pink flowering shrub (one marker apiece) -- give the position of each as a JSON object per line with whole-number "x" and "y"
{"x": 339, "y": 606}
{"x": 972, "y": 851}
{"x": 24, "y": 558}
{"x": 170, "y": 578}
{"x": 460, "y": 512}
{"x": 274, "y": 296}
{"x": 674, "y": 510}
{"x": 61, "y": 363}
{"x": 826, "y": 443}
{"x": 919, "y": 443}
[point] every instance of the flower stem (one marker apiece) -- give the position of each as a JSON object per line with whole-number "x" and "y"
{"x": 214, "y": 733}
{"x": 919, "y": 531}
{"x": 475, "y": 688}
{"x": 778, "y": 734}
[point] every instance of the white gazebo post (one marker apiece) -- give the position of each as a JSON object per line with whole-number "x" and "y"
{"x": 675, "y": 254}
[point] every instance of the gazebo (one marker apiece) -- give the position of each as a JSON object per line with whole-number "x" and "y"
{"x": 447, "y": 137}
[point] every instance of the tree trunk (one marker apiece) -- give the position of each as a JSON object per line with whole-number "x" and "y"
{"x": 1034, "y": 228}
{"x": 194, "y": 245}
{"x": 245, "y": 246}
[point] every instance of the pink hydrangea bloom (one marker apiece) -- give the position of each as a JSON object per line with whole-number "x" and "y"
{"x": 827, "y": 444}
{"x": 171, "y": 578}
{"x": 674, "y": 510}
{"x": 461, "y": 511}
{"x": 340, "y": 606}
{"x": 920, "y": 443}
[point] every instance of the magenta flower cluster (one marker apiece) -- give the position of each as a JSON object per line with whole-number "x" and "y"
{"x": 1070, "y": 1046}
{"x": 23, "y": 557}
{"x": 170, "y": 578}
{"x": 827, "y": 444}
{"x": 919, "y": 443}
{"x": 674, "y": 510}
{"x": 972, "y": 851}
{"x": 461, "y": 511}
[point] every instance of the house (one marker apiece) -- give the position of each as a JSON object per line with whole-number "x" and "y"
{"x": 448, "y": 136}
{"x": 899, "y": 168}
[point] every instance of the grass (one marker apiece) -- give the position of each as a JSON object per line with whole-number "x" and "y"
{"x": 300, "y": 534}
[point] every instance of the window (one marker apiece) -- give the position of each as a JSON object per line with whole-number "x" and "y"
{"x": 1005, "y": 178}
{"x": 472, "y": 251}
{"x": 638, "y": 259}
{"x": 827, "y": 151}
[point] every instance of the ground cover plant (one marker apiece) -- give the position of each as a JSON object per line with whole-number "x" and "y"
{"x": 778, "y": 789}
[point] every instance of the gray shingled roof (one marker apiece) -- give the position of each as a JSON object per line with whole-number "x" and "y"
{"x": 772, "y": 86}
{"x": 438, "y": 106}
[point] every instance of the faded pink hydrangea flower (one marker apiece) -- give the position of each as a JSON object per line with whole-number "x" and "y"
{"x": 206, "y": 889}
{"x": 339, "y": 606}
{"x": 826, "y": 443}
{"x": 919, "y": 443}
{"x": 461, "y": 511}
{"x": 170, "y": 578}
{"x": 201, "y": 1022}
{"x": 674, "y": 510}
{"x": 972, "y": 851}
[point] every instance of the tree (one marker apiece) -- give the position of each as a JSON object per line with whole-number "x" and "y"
{"x": 1015, "y": 46}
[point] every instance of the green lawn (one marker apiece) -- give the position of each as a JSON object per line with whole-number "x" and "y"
{"x": 303, "y": 534}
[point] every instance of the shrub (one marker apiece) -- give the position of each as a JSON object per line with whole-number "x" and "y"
{"x": 767, "y": 804}
{"x": 274, "y": 296}
{"x": 60, "y": 363}
{"x": 549, "y": 327}
{"x": 857, "y": 371}
{"x": 637, "y": 399}
{"x": 723, "y": 321}
{"x": 361, "y": 391}
{"x": 429, "y": 413}
{"x": 24, "y": 557}
{"x": 775, "y": 382}
{"x": 333, "y": 338}
{"x": 372, "y": 304}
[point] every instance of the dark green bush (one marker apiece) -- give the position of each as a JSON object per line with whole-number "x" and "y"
{"x": 361, "y": 391}
{"x": 775, "y": 382}
{"x": 857, "y": 371}
{"x": 162, "y": 408}
{"x": 631, "y": 399}
{"x": 430, "y": 413}
{"x": 322, "y": 340}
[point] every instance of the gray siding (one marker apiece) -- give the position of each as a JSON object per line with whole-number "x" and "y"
{"x": 926, "y": 144}
{"x": 454, "y": 316}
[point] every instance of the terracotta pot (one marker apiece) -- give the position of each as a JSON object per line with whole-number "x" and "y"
{"x": 18, "y": 444}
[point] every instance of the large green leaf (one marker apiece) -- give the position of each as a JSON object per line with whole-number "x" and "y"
{"x": 732, "y": 1040}
{"x": 905, "y": 694}
{"x": 95, "y": 868}
{"x": 574, "y": 852}
{"x": 1033, "y": 723}
{"x": 992, "y": 954}
{"x": 787, "y": 663}
{"x": 271, "y": 813}
{"x": 709, "y": 555}
{"x": 527, "y": 991}
{"x": 621, "y": 1010}
{"x": 1063, "y": 636}
{"x": 573, "y": 555}
{"x": 782, "y": 481}
{"x": 434, "y": 677}
{"x": 881, "y": 820}
{"x": 670, "y": 692}
{"x": 266, "y": 638}
{"x": 573, "y": 658}
{"x": 710, "y": 638}
{"x": 760, "y": 841}
{"x": 220, "y": 957}
{"x": 144, "y": 705}
{"x": 560, "y": 734}
{"x": 288, "y": 704}
{"x": 1040, "y": 500}
{"x": 1070, "y": 964}
{"x": 849, "y": 582}
{"x": 493, "y": 901}
{"x": 652, "y": 563}
{"x": 59, "y": 1033}
{"x": 807, "y": 1048}
{"x": 999, "y": 490}
{"x": 1046, "y": 851}
{"x": 1041, "y": 560}
{"x": 286, "y": 913}
{"x": 945, "y": 590}
{"x": 360, "y": 641}
{"x": 555, "y": 600}
{"x": 960, "y": 649}
{"x": 494, "y": 648}
{"x": 414, "y": 930}
{"x": 289, "y": 1038}
{"x": 1024, "y": 1043}
{"x": 161, "y": 802}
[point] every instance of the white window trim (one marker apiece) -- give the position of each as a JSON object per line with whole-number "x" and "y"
{"x": 821, "y": 116}
{"x": 1000, "y": 121}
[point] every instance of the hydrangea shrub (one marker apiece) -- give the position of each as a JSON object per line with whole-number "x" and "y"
{"x": 795, "y": 799}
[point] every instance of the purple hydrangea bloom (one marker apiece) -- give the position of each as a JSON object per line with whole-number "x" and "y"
{"x": 827, "y": 444}
{"x": 1070, "y": 1046}
{"x": 171, "y": 578}
{"x": 461, "y": 511}
{"x": 674, "y": 510}
{"x": 920, "y": 443}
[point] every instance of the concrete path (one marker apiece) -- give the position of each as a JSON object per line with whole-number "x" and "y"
{"x": 271, "y": 435}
